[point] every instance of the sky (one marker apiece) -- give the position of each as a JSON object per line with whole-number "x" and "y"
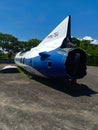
{"x": 27, "y": 19}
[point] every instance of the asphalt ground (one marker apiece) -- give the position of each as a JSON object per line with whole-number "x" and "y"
{"x": 42, "y": 104}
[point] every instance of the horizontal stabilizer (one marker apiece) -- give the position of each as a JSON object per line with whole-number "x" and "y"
{"x": 9, "y": 69}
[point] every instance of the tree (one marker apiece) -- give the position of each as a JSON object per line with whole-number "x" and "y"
{"x": 11, "y": 43}
{"x": 6, "y": 41}
{"x": 76, "y": 41}
{"x": 33, "y": 43}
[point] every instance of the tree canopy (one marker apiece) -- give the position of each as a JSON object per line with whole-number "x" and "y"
{"x": 90, "y": 49}
{"x": 86, "y": 45}
{"x": 11, "y": 43}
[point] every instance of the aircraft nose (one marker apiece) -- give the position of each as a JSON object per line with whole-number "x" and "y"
{"x": 76, "y": 64}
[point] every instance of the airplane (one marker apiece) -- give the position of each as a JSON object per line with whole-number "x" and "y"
{"x": 56, "y": 57}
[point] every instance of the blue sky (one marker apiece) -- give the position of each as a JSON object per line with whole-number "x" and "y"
{"x": 27, "y": 19}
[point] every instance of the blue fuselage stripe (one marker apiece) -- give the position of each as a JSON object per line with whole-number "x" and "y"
{"x": 52, "y": 66}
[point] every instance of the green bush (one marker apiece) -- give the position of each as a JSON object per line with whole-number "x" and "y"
{"x": 92, "y": 60}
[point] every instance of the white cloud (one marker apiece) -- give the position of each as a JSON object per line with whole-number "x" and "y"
{"x": 87, "y": 38}
{"x": 93, "y": 41}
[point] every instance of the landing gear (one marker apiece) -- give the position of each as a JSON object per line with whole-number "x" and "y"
{"x": 72, "y": 84}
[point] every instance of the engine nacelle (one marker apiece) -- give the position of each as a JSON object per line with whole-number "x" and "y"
{"x": 75, "y": 64}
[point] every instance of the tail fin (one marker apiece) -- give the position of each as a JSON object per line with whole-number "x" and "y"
{"x": 67, "y": 42}
{"x": 56, "y": 37}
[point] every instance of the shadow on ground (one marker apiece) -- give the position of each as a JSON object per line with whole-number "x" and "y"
{"x": 60, "y": 85}
{"x": 76, "y": 91}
